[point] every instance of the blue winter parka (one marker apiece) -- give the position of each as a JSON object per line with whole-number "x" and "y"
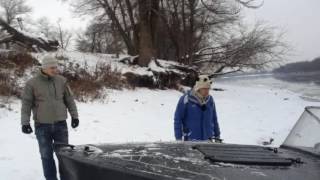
{"x": 195, "y": 122}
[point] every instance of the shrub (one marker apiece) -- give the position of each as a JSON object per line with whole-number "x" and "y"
{"x": 89, "y": 84}
{"x": 16, "y": 61}
{"x": 8, "y": 86}
{"x": 13, "y": 65}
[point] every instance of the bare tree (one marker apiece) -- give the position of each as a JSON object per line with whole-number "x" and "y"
{"x": 29, "y": 42}
{"x": 191, "y": 24}
{"x": 121, "y": 16}
{"x": 100, "y": 38}
{"x": 46, "y": 28}
{"x": 13, "y": 9}
{"x": 64, "y": 36}
{"x": 55, "y": 31}
{"x": 249, "y": 49}
{"x": 204, "y": 33}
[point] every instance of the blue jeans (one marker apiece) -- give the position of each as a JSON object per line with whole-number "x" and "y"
{"x": 47, "y": 134}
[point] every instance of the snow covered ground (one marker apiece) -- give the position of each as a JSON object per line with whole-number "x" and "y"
{"x": 248, "y": 114}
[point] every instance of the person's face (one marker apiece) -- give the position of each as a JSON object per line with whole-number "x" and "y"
{"x": 51, "y": 71}
{"x": 204, "y": 92}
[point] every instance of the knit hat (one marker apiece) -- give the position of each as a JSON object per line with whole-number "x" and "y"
{"x": 49, "y": 61}
{"x": 203, "y": 81}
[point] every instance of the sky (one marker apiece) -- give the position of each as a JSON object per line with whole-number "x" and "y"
{"x": 55, "y": 10}
{"x": 299, "y": 19}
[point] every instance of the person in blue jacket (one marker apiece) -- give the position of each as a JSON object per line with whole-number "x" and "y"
{"x": 195, "y": 117}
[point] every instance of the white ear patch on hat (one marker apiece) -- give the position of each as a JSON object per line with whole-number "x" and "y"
{"x": 204, "y": 78}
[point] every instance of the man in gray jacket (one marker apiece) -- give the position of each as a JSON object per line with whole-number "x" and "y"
{"x": 48, "y": 97}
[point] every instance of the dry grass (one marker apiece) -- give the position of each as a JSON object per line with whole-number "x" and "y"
{"x": 88, "y": 84}
{"x": 12, "y": 66}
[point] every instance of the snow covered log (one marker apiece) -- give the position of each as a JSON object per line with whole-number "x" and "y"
{"x": 30, "y": 42}
{"x": 159, "y": 74}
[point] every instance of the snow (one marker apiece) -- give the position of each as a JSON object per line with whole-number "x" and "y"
{"x": 91, "y": 60}
{"x": 34, "y": 35}
{"x": 247, "y": 114}
{"x": 82, "y": 59}
{"x": 155, "y": 67}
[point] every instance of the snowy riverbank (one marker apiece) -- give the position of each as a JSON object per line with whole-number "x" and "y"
{"x": 247, "y": 114}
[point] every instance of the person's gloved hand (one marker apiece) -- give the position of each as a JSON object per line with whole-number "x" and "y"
{"x": 218, "y": 139}
{"x": 27, "y": 129}
{"x": 74, "y": 122}
{"x": 215, "y": 139}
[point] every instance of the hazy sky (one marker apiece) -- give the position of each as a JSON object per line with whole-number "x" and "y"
{"x": 300, "y": 19}
{"x": 54, "y": 9}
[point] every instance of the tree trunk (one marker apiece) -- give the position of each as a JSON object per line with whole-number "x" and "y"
{"x": 147, "y": 24}
{"x": 134, "y": 25}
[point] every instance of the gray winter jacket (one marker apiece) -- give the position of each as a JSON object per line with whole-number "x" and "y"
{"x": 48, "y": 98}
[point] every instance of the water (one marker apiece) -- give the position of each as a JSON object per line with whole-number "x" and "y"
{"x": 305, "y": 84}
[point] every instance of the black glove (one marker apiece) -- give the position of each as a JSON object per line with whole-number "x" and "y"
{"x": 74, "y": 122}
{"x": 215, "y": 140}
{"x": 218, "y": 139}
{"x": 27, "y": 129}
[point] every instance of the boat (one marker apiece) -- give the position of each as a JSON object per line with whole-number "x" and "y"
{"x": 298, "y": 158}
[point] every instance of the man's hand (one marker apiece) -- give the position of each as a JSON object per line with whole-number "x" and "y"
{"x": 74, "y": 122}
{"x": 26, "y": 129}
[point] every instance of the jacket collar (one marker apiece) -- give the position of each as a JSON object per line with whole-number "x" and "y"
{"x": 193, "y": 98}
{"x": 44, "y": 76}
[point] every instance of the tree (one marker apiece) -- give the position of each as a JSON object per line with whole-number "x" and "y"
{"x": 12, "y": 9}
{"x": 29, "y": 42}
{"x": 201, "y": 33}
{"x": 64, "y": 36}
{"x": 55, "y": 31}
{"x": 255, "y": 49}
{"x": 148, "y": 20}
{"x": 100, "y": 38}
{"x": 111, "y": 10}
{"x": 121, "y": 14}
{"x": 46, "y": 28}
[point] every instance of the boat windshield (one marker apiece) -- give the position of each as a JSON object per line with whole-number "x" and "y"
{"x": 305, "y": 135}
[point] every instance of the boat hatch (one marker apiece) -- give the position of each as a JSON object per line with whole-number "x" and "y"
{"x": 243, "y": 154}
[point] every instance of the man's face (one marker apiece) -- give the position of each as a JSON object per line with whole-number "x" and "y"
{"x": 204, "y": 92}
{"x": 51, "y": 71}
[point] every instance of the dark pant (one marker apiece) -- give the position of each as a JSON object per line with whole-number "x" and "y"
{"x": 47, "y": 134}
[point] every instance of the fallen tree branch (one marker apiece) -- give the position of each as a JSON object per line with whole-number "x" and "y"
{"x": 34, "y": 44}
